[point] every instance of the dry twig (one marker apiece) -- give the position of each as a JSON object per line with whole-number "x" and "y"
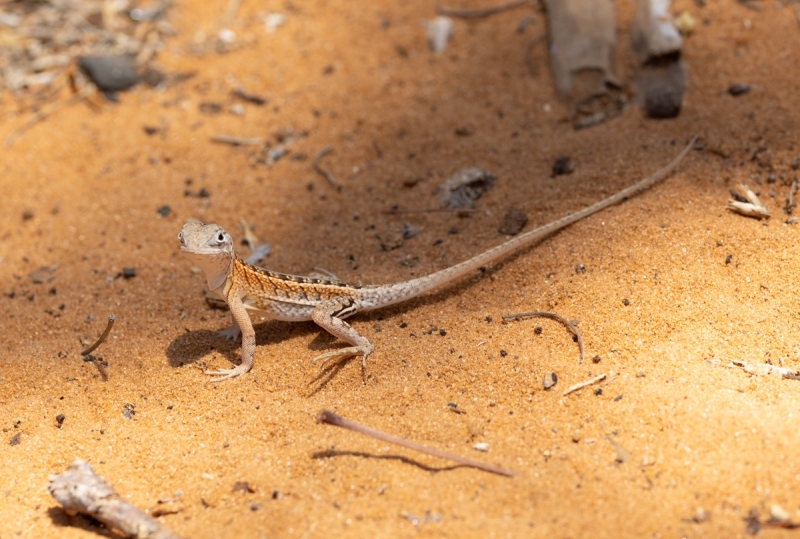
{"x": 338, "y": 421}
{"x": 102, "y": 337}
{"x": 581, "y": 385}
{"x": 46, "y": 111}
{"x": 80, "y": 490}
{"x": 315, "y": 163}
{"x": 790, "y": 203}
{"x": 541, "y": 314}
{"x": 237, "y": 141}
{"x": 478, "y": 13}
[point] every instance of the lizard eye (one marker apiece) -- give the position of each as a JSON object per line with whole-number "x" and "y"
{"x": 221, "y": 237}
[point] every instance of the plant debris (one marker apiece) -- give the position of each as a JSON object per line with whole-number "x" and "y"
{"x": 745, "y": 202}
{"x": 461, "y": 189}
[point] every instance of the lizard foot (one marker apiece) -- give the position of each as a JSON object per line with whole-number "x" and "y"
{"x": 232, "y": 332}
{"x": 225, "y": 374}
{"x": 340, "y": 353}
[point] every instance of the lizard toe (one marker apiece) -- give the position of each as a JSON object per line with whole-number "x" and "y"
{"x": 226, "y": 374}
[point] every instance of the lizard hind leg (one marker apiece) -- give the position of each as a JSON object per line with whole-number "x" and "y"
{"x": 329, "y": 316}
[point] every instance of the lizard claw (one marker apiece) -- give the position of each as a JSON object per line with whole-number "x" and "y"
{"x": 232, "y": 332}
{"x": 226, "y": 374}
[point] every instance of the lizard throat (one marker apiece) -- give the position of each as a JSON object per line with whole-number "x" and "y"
{"x": 216, "y": 267}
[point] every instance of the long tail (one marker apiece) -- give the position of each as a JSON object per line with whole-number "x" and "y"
{"x": 408, "y": 289}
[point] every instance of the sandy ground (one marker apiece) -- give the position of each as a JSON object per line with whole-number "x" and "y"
{"x": 675, "y": 287}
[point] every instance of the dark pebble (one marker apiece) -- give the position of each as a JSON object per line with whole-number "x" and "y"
{"x": 563, "y": 165}
{"x": 739, "y": 89}
{"x": 129, "y": 273}
{"x": 110, "y": 73}
{"x": 60, "y": 419}
{"x": 164, "y": 210}
{"x": 503, "y": 353}
{"x": 14, "y": 439}
{"x": 580, "y": 268}
{"x": 664, "y": 103}
{"x": 596, "y": 359}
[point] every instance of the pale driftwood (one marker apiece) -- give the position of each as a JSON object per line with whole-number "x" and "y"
{"x": 80, "y": 490}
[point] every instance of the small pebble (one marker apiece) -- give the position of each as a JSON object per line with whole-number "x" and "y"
{"x": 513, "y": 221}
{"x": 481, "y": 446}
{"x": 596, "y": 359}
{"x": 129, "y": 273}
{"x": 164, "y": 210}
{"x": 739, "y": 89}
{"x": 563, "y": 165}
{"x": 550, "y": 379}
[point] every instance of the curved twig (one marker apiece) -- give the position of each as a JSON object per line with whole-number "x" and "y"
{"x": 102, "y": 337}
{"x": 315, "y": 163}
{"x": 541, "y": 314}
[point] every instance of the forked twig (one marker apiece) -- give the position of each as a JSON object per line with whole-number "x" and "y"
{"x": 330, "y": 418}
{"x": 541, "y": 314}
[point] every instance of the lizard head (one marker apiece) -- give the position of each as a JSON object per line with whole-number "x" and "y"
{"x": 211, "y": 248}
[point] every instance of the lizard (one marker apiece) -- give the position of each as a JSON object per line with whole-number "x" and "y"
{"x": 328, "y": 301}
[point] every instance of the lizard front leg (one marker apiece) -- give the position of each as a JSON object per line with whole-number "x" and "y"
{"x": 329, "y": 315}
{"x": 241, "y": 320}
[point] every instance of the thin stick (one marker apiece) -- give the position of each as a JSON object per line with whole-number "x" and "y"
{"x": 790, "y": 199}
{"x": 230, "y": 12}
{"x": 433, "y": 210}
{"x": 541, "y": 314}
{"x": 581, "y": 385}
{"x": 338, "y": 421}
{"x": 237, "y": 141}
{"x": 478, "y": 13}
{"x": 102, "y": 337}
{"x": 315, "y": 163}
{"x": 80, "y": 490}
{"x": 40, "y": 115}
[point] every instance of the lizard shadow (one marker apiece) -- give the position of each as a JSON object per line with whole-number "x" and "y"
{"x": 194, "y": 345}
{"x": 331, "y": 453}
